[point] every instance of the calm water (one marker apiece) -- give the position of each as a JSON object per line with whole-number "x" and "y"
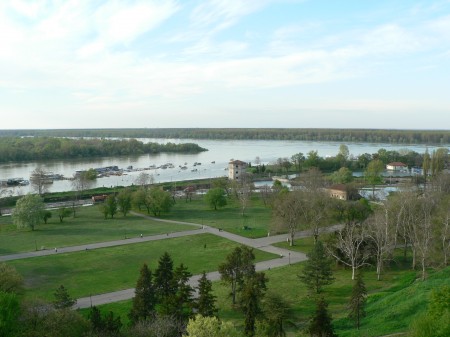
{"x": 220, "y": 152}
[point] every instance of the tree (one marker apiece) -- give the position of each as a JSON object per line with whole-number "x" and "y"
{"x": 298, "y": 159}
{"x": 351, "y": 240}
{"x": 373, "y": 174}
{"x": 276, "y": 310}
{"x": 10, "y": 280}
{"x": 46, "y": 215}
{"x": 63, "y": 212}
{"x": 144, "y": 297}
{"x": 111, "y": 205}
{"x": 205, "y": 302}
{"x": 62, "y": 298}
{"x": 358, "y": 300}
{"x": 215, "y": 198}
{"x": 253, "y": 291}
{"x": 9, "y": 314}
{"x": 39, "y": 180}
{"x": 287, "y": 213}
{"x": 426, "y": 166}
{"x": 28, "y": 211}
{"x": 201, "y": 326}
{"x": 317, "y": 269}
{"x": 160, "y": 201}
{"x": 342, "y": 176}
{"x": 124, "y": 201}
{"x": 238, "y": 264}
{"x": 143, "y": 179}
{"x": 163, "y": 280}
{"x": 381, "y": 234}
{"x": 320, "y": 324}
{"x": 245, "y": 191}
{"x": 107, "y": 325}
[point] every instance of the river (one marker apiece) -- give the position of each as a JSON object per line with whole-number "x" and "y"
{"x": 214, "y": 162}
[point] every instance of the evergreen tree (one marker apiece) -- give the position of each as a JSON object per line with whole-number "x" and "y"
{"x": 320, "y": 324}
{"x": 276, "y": 310}
{"x": 205, "y": 303}
{"x": 252, "y": 293}
{"x": 317, "y": 271}
{"x": 62, "y": 298}
{"x": 144, "y": 299}
{"x": 95, "y": 317}
{"x": 181, "y": 302}
{"x": 357, "y": 300}
{"x": 163, "y": 280}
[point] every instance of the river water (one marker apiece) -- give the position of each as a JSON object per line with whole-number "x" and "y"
{"x": 214, "y": 162}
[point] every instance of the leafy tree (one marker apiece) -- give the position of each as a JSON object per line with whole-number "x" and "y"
{"x": 111, "y": 205}
{"x": 10, "y": 280}
{"x": 317, "y": 269}
{"x": 160, "y": 326}
{"x": 124, "y": 199}
{"x": 63, "y": 322}
{"x": 201, "y": 326}
{"x": 215, "y": 198}
{"x": 63, "y": 299}
{"x": 358, "y": 300}
{"x": 373, "y": 174}
{"x": 298, "y": 159}
{"x": 9, "y": 314}
{"x": 28, "y": 211}
{"x": 342, "y": 176}
{"x": 253, "y": 291}
{"x": 63, "y": 212}
{"x": 320, "y": 324}
{"x": 160, "y": 201}
{"x": 205, "y": 302}
{"x": 238, "y": 264}
{"x": 144, "y": 298}
{"x": 46, "y": 215}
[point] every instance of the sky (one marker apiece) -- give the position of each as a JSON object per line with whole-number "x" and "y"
{"x": 225, "y": 63}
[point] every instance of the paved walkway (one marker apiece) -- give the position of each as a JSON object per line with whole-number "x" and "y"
{"x": 285, "y": 257}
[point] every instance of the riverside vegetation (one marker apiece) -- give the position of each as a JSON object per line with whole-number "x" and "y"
{"x": 401, "y": 246}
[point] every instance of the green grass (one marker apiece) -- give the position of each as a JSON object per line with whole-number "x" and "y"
{"x": 88, "y": 226}
{"x": 110, "y": 269}
{"x": 254, "y": 224}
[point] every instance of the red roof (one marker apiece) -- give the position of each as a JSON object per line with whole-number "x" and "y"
{"x": 396, "y": 163}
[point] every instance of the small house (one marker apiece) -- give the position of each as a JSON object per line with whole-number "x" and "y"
{"x": 396, "y": 166}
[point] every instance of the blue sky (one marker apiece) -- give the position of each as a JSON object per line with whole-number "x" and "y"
{"x": 225, "y": 63}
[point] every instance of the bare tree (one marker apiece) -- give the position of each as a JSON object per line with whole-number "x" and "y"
{"x": 245, "y": 191}
{"x": 39, "y": 180}
{"x": 350, "y": 242}
{"x": 287, "y": 213}
{"x": 144, "y": 179}
{"x": 381, "y": 232}
{"x": 267, "y": 195}
{"x": 444, "y": 232}
{"x": 314, "y": 207}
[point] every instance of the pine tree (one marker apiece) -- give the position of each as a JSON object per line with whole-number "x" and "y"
{"x": 358, "y": 300}
{"x": 95, "y": 317}
{"x": 182, "y": 299}
{"x": 252, "y": 293}
{"x": 320, "y": 324}
{"x": 205, "y": 303}
{"x": 62, "y": 298}
{"x": 163, "y": 280}
{"x": 317, "y": 271}
{"x": 144, "y": 299}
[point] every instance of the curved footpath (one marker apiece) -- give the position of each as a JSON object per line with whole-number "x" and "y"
{"x": 286, "y": 257}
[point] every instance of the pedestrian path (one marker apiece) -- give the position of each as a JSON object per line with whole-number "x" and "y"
{"x": 284, "y": 256}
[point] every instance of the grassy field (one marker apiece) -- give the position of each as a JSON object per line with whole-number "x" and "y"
{"x": 254, "y": 224}
{"x": 110, "y": 269}
{"x": 87, "y": 227}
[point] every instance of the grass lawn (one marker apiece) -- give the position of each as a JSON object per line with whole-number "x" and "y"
{"x": 89, "y": 226}
{"x": 110, "y": 269}
{"x": 254, "y": 224}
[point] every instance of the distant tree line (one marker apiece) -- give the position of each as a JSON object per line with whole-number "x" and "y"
{"x": 335, "y": 135}
{"x": 43, "y": 148}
